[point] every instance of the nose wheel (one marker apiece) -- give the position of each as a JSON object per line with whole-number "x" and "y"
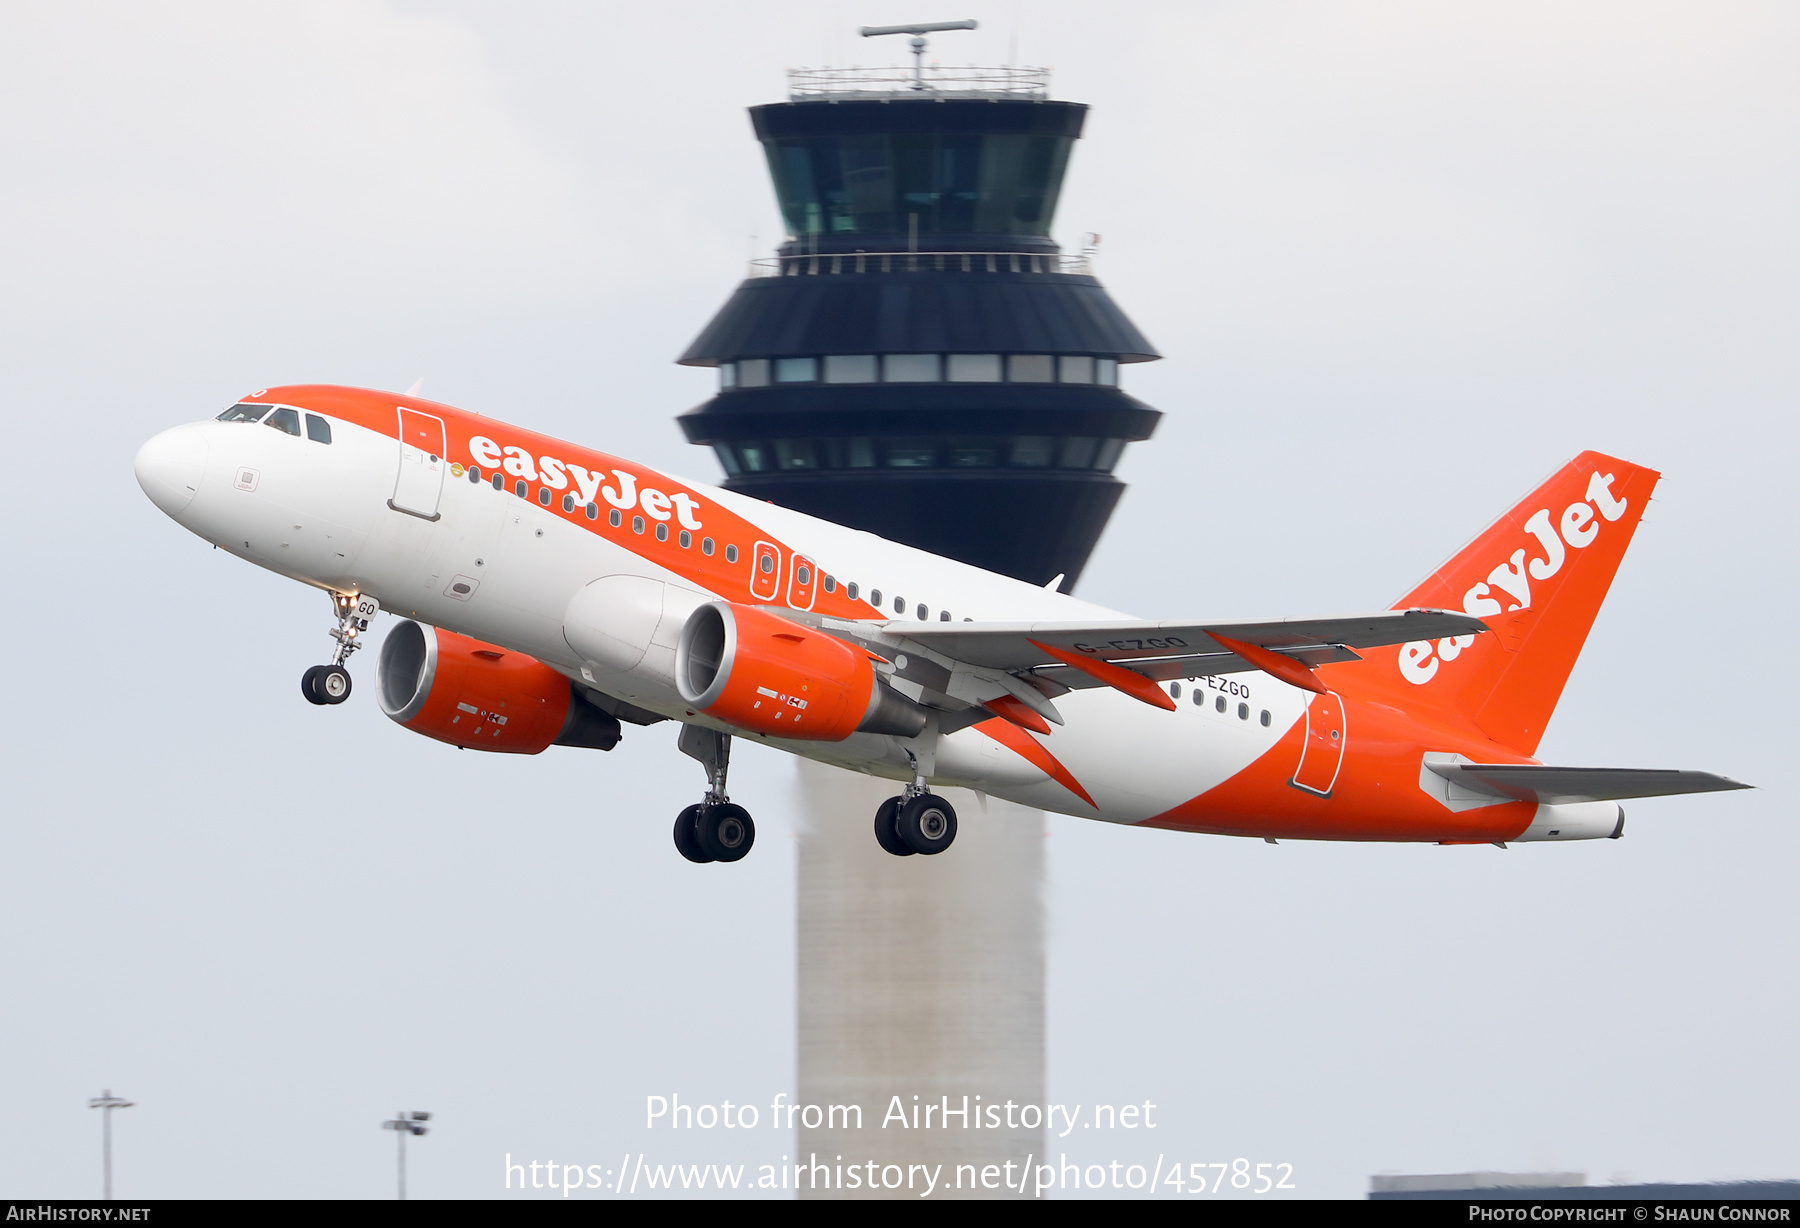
{"x": 717, "y": 829}
{"x": 325, "y": 684}
{"x": 330, "y": 684}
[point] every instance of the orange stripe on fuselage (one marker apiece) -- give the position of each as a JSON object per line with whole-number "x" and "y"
{"x": 1032, "y": 751}
{"x": 375, "y": 411}
{"x": 1376, "y": 795}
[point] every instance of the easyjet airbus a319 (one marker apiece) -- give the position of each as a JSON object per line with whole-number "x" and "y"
{"x": 550, "y": 592}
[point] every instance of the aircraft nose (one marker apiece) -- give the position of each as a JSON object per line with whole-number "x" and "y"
{"x": 169, "y": 468}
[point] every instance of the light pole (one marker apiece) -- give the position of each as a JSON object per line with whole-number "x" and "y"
{"x": 107, "y": 1102}
{"x": 402, "y": 1125}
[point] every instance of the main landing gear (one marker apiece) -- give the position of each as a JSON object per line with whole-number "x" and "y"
{"x": 716, "y": 829}
{"x": 918, "y": 821}
{"x": 330, "y": 684}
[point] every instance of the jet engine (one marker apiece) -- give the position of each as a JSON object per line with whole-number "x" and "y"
{"x": 474, "y": 695}
{"x": 760, "y": 672}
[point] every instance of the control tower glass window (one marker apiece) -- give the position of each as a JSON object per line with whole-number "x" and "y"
{"x": 1076, "y": 369}
{"x": 974, "y": 368}
{"x": 796, "y": 370}
{"x": 910, "y": 368}
{"x": 1031, "y": 368}
{"x": 753, "y": 373}
{"x": 850, "y": 369}
{"x": 949, "y": 183}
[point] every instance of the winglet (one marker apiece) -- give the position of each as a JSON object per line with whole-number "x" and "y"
{"x": 1115, "y": 676}
{"x": 1274, "y": 664}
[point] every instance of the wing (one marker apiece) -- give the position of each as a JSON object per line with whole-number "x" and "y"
{"x": 1531, "y": 782}
{"x": 1162, "y": 651}
{"x": 956, "y": 666}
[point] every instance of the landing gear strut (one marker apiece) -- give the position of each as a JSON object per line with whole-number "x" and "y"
{"x": 918, "y": 821}
{"x": 330, "y": 684}
{"x": 716, "y": 829}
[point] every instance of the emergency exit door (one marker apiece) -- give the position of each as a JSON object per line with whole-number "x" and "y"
{"x": 1322, "y": 750}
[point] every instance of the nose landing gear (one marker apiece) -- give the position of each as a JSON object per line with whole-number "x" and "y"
{"x": 330, "y": 684}
{"x": 716, "y": 829}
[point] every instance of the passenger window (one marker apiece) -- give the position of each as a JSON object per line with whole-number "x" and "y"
{"x": 1265, "y": 718}
{"x": 706, "y": 546}
{"x": 1175, "y": 690}
{"x": 637, "y": 524}
{"x": 943, "y": 616}
{"x": 319, "y": 431}
{"x": 568, "y": 503}
{"x": 766, "y": 564}
{"x": 875, "y": 597}
{"x": 474, "y": 476}
{"x": 519, "y": 488}
{"x": 899, "y": 605}
{"x": 687, "y": 539}
{"x": 831, "y": 584}
{"x": 1243, "y": 712}
{"x": 593, "y": 511}
{"x": 614, "y": 519}
{"x": 1199, "y": 699}
{"x": 544, "y": 495}
{"x": 1221, "y": 704}
{"x": 662, "y": 532}
{"x": 244, "y": 413}
{"x": 731, "y": 554}
{"x": 851, "y": 591}
{"x": 922, "y": 613}
{"x": 285, "y": 420}
{"x": 499, "y": 482}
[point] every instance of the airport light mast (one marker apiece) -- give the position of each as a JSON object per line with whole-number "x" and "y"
{"x": 403, "y": 1124}
{"x": 106, "y": 1102}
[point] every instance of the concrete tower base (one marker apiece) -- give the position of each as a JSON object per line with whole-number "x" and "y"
{"x": 920, "y": 978}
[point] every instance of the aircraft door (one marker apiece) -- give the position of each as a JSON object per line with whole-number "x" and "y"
{"x": 421, "y": 480}
{"x": 765, "y": 572}
{"x": 802, "y": 583}
{"x": 1322, "y": 751}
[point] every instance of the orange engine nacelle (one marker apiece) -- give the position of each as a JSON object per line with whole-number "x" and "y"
{"x": 759, "y": 672}
{"x": 474, "y": 695}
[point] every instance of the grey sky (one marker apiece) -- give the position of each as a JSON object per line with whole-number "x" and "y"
{"x": 1402, "y": 260}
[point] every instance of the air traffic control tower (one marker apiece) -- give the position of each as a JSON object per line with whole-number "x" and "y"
{"x": 920, "y": 359}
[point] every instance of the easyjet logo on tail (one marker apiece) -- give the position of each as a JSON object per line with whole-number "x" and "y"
{"x": 1507, "y": 588}
{"x": 589, "y": 484}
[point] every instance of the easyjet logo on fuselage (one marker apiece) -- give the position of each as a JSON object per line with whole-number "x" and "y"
{"x": 589, "y": 485}
{"x": 1576, "y": 527}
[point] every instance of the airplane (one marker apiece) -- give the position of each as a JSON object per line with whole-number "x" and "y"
{"x": 550, "y": 594}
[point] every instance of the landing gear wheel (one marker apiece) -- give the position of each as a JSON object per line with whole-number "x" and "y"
{"x": 724, "y": 831}
{"x": 687, "y": 842}
{"x": 309, "y": 685}
{"x": 332, "y": 683}
{"x": 927, "y": 824}
{"x": 886, "y": 835}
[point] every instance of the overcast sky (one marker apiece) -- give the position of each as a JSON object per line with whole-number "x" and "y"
{"x": 1402, "y": 260}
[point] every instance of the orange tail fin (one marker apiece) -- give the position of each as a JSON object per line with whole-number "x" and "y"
{"x": 1537, "y": 577}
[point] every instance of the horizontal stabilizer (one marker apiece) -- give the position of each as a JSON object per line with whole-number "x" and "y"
{"x": 1552, "y": 786}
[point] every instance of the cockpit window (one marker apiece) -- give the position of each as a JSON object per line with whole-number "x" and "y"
{"x": 317, "y": 429}
{"x": 244, "y": 413}
{"x": 285, "y": 420}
